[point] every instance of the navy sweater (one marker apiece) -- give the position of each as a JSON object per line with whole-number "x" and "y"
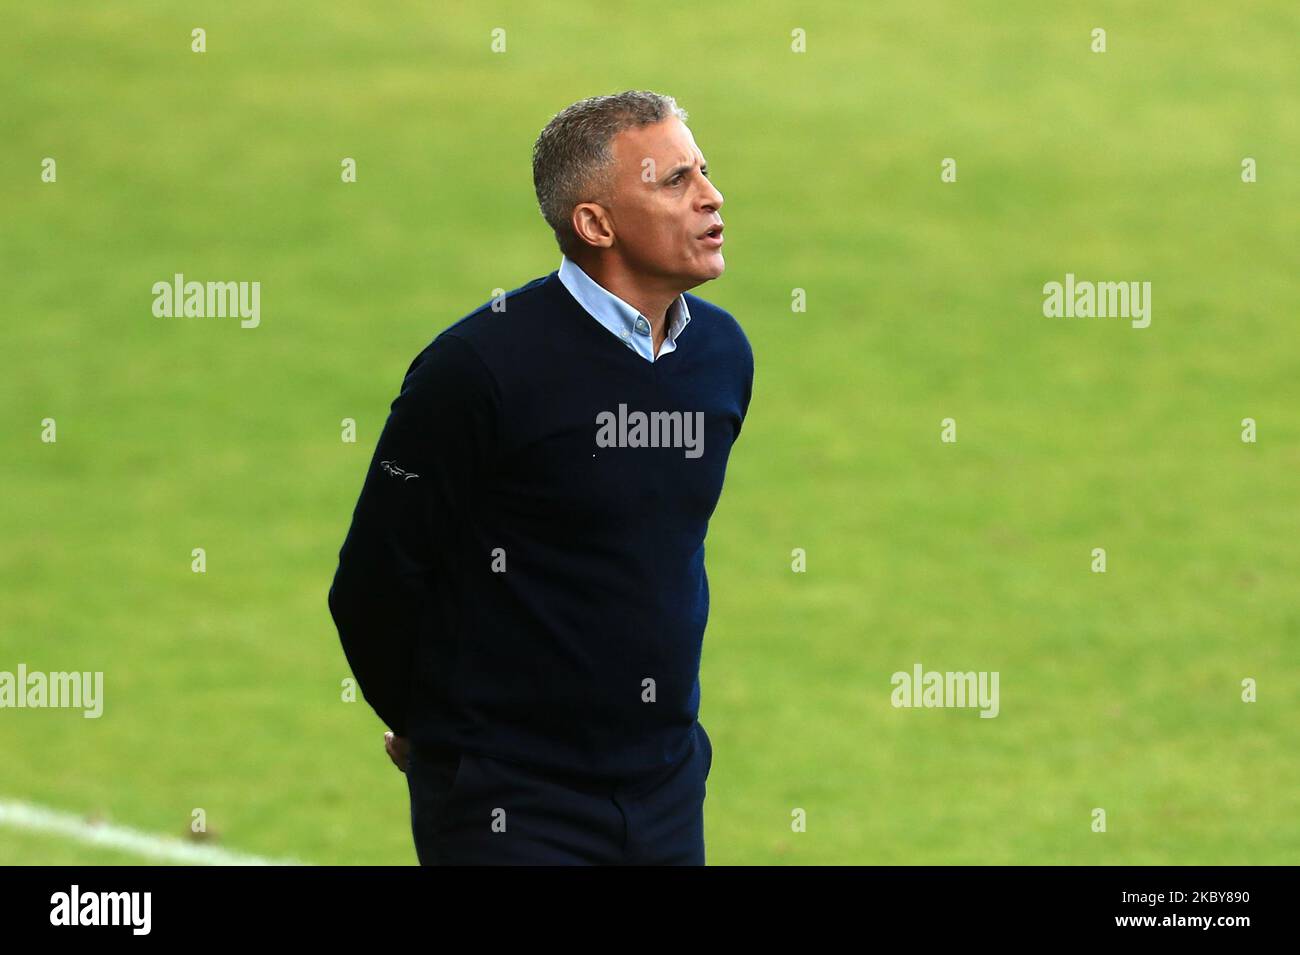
{"x": 524, "y": 574}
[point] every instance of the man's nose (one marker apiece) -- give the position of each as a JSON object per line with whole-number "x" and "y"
{"x": 712, "y": 198}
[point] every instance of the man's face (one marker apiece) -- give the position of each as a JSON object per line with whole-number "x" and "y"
{"x": 661, "y": 204}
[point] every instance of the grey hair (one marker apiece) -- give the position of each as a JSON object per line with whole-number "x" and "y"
{"x": 573, "y": 156}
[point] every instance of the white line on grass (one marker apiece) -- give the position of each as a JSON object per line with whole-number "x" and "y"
{"x": 22, "y": 815}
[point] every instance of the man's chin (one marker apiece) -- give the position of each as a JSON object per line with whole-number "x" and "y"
{"x": 705, "y": 272}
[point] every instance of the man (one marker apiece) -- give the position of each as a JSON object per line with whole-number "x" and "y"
{"x": 522, "y": 593}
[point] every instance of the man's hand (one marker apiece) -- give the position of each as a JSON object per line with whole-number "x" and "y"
{"x": 398, "y": 749}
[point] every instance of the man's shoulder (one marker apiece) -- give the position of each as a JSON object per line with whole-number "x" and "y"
{"x": 495, "y": 317}
{"x": 503, "y": 325}
{"x": 514, "y": 325}
{"x": 720, "y": 322}
{"x": 491, "y": 329}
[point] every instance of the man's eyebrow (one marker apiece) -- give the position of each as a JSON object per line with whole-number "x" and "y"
{"x": 704, "y": 168}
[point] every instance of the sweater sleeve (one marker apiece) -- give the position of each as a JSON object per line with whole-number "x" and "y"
{"x": 435, "y": 447}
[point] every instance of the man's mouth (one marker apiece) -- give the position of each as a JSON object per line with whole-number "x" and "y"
{"x": 713, "y": 237}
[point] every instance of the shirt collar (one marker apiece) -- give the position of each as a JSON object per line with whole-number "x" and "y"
{"x": 614, "y": 313}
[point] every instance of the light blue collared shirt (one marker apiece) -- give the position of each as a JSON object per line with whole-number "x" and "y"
{"x": 620, "y": 318}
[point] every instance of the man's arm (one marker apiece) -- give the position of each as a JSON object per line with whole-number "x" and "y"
{"x": 749, "y": 383}
{"x": 434, "y": 449}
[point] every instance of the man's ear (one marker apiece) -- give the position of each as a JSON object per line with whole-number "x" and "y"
{"x": 592, "y": 226}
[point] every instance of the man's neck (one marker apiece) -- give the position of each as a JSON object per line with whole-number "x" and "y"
{"x": 651, "y": 300}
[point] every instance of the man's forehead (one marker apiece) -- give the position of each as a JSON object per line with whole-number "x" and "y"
{"x": 668, "y": 143}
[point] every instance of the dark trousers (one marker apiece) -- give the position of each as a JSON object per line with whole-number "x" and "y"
{"x": 468, "y": 809}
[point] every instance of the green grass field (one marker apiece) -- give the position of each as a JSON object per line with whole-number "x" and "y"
{"x": 924, "y": 301}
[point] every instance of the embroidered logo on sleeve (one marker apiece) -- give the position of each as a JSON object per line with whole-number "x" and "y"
{"x": 393, "y": 470}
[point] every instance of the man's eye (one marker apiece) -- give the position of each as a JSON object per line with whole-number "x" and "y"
{"x": 681, "y": 175}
